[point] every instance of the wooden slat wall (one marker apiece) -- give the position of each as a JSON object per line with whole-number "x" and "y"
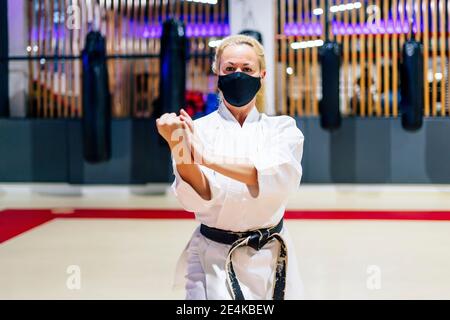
{"x": 131, "y": 27}
{"x": 372, "y": 37}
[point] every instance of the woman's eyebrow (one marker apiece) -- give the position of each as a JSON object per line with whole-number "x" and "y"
{"x": 232, "y": 63}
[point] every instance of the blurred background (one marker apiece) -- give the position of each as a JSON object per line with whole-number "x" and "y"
{"x": 85, "y": 210}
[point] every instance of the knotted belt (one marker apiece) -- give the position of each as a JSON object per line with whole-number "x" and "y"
{"x": 255, "y": 239}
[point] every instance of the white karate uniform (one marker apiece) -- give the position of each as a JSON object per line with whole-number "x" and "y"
{"x": 275, "y": 146}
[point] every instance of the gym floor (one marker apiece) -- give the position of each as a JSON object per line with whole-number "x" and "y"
{"x": 353, "y": 242}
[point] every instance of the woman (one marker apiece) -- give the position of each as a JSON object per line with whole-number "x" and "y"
{"x": 235, "y": 168}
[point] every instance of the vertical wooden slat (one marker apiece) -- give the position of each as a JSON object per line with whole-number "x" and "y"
{"x": 65, "y": 63}
{"x": 378, "y": 62}
{"x": 110, "y": 44}
{"x": 354, "y": 64}
{"x": 134, "y": 63}
{"x": 283, "y": 56}
{"x": 52, "y": 62}
{"x": 77, "y": 63}
{"x": 37, "y": 52}
{"x": 337, "y": 19}
{"x": 206, "y": 61}
{"x": 308, "y": 70}
{"x": 59, "y": 77}
{"x": 330, "y": 30}
{"x": 346, "y": 58}
{"x": 149, "y": 62}
{"x": 362, "y": 59}
{"x": 300, "y": 71}
{"x": 442, "y": 32}
{"x": 129, "y": 64}
{"x": 394, "y": 61}
{"x": 418, "y": 21}
{"x": 74, "y": 63}
{"x": 315, "y": 69}
{"x": 213, "y": 82}
{"x": 290, "y": 60}
{"x": 122, "y": 64}
{"x": 156, "y": 50}
{"x": 386, "y": 61}
{"x": 30, "y": 20}
{"x": 370, "y": 106}
{"x": 447, "y": 31}
{"x": 116, "y": 86}
{"x": 191, "y": 62}
{"x": 45, "y": 45}
{"x": 275, "y": 5}
{"x": 142, "y": 73}
{"x": 401, "y": 12}
{"x": 425, "y": 58}
{"x": 73, "y": 102}
{"x": 434, "y": 56}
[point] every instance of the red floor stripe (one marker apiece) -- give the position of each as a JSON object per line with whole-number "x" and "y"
{"x": 127, "y": 214}
{"x": 368, "y": 215}
{"x": 16, "y": 221}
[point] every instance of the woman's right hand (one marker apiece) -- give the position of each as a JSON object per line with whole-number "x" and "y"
{"x": 167, "y": 124}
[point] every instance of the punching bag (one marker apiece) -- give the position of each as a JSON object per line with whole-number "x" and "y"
{"x": 411, "y": 86}
{"x": 329, "y": 106}
{"x": 172, "y": 85}
{"x": 96, "y": 121}
{"x": 4, "y": 66}
{"x": 253, "y": 33}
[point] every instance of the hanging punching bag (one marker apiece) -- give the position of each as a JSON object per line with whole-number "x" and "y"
{"x": 329, "y": 106}
{"x": 253, "y": 33}
{"x": 411, "y": 86}
{"x": 172, "y": 85}
{"x": 96, "y": 120}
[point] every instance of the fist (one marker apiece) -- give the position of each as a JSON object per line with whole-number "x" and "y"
{"x": 167, "y": 124}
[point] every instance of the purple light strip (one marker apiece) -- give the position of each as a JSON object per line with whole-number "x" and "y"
{"x": 192, "y": 30}
{"x": 155, "y": 31}
{"x": 303, "y": 29}
{"x": 315, "y": 29}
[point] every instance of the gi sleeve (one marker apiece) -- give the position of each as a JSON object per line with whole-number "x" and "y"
{"x": 278, "y": 164}
{"x": 189, "y": 199}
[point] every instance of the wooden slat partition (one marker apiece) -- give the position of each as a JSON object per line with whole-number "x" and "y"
{"x": 372, "y": 34}
{"x": 130, "y": 27}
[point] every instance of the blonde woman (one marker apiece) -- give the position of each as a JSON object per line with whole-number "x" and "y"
{"x": 235, "y": 168}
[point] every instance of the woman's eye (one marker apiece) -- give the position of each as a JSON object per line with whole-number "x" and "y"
{"x": 247, "y": 70}
{"x": 229, "y": 69}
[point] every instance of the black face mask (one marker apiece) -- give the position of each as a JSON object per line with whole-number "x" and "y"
{"x": 238, "y": 88}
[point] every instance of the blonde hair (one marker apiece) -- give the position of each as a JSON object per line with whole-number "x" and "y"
{"x": 259, "y": 50}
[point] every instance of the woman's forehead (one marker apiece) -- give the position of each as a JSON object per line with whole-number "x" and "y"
{"x": 239, "y": 54}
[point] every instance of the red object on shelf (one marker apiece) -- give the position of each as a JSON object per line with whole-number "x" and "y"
{"x": 195, "y": 102}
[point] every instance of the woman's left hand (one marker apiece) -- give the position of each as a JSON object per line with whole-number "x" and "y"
{"x": 193, "y": 141}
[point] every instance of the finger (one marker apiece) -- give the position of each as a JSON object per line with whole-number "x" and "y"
{"x": 185, "y": 116}
{"x": 190, "y": 125}
{"x": 163, "y": 117}
{"x": 187, "y": 136}
{"x": 183, "y": 112}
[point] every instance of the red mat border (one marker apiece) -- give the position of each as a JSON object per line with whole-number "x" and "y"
{"x": 14, "y": 222}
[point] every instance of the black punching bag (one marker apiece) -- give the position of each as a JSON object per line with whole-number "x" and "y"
{"x": 253, "y": 33}
{"x": 329, "y": 106}
{"x": 96, "y": 120}
{"x": 412, "y": 85}
{"x": 173, "y": 56}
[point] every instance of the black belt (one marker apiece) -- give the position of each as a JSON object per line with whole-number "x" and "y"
{"x": 255, "y": 239}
